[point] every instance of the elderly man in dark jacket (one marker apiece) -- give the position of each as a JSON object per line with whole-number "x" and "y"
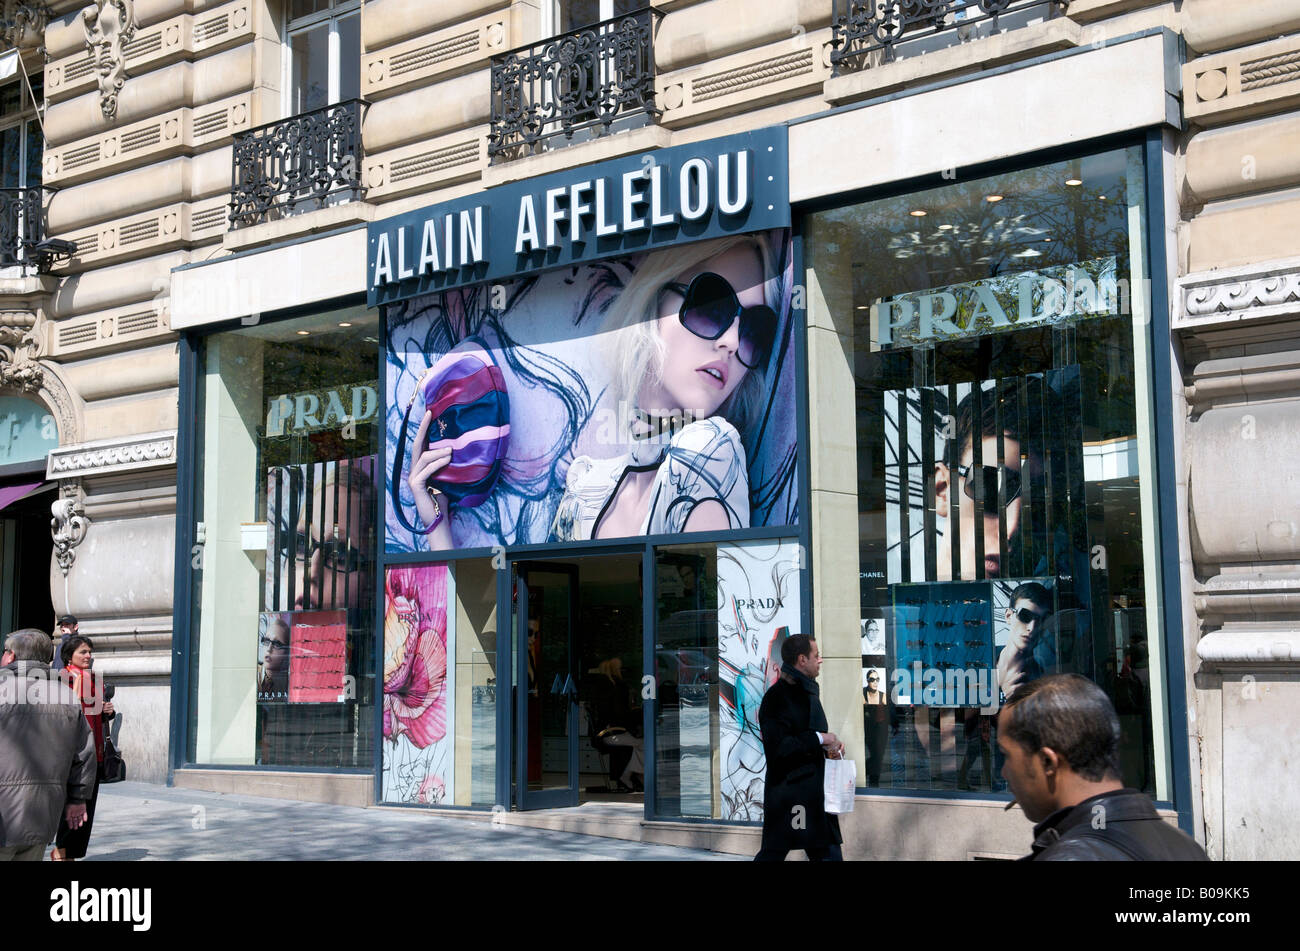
{"x": 47, "y": 752}
{"x": 1060, "y": 736}
{"x": 796, "y": 741}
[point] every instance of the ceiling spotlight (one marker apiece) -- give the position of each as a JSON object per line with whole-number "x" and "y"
{"x": 303, "y": 333}
{"x": 945, "y": 227}
{"x": 1074, "y": 182}
{"x": 993, "y": 198}
{"x": 1047, "y": 239}
{"x": 917, "y": 213}
{"x": 1101, "y": 197}
{"x": 345, "y": 323}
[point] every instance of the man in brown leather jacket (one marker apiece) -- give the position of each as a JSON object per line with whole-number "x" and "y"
{"x": 1060, "y": 736}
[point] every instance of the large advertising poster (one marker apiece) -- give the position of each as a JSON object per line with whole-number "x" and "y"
{"x": 419, "y": 664}
{"x": 985, "y": 504}
{"x": 302, "y": 657}
{"x": 319, "y": 517}
{"x": 758, "y": 608}
{"x": 652, "y": 394}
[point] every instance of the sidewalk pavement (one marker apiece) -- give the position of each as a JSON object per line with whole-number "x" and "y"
{"x": 143, "y": 822}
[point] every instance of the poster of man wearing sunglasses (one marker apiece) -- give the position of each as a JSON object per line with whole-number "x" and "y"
{"x": 1020, "y": 631}
{"x": 648, "y": 395}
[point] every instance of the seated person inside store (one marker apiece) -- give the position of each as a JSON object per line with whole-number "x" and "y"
{"x": 1060, "y": 736}
{"x": 617, "y": 723}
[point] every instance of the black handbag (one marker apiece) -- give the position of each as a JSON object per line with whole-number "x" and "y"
{"x": 113, "y": 769}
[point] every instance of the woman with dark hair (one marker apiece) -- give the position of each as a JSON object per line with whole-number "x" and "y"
{"x": 78, "y": 657}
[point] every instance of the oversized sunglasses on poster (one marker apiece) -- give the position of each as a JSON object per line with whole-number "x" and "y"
{"x": 709, "y": 309}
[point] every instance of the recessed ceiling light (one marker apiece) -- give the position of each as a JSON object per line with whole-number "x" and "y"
{"x": 1102, "y": 197}
{"x": 345, "y": 323}
{"x": 993, "y": 198}
{"x": 864, "y": 307}
{"x": 303, "y": 333}
{"x": 917, "y": 213}
{"x": 1074, "y": 182}
{"x": 945, "y": 227}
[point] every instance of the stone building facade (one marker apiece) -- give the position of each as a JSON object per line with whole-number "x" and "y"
{"x": 144, "y": 103}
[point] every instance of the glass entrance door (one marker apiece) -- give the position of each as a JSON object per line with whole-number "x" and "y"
{"x": 546, "y": 611}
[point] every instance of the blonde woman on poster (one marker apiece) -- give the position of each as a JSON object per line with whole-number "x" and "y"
{"x": 692, "y": 334}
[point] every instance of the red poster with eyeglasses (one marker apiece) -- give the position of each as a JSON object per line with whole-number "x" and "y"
{"x": 318, "y": 660}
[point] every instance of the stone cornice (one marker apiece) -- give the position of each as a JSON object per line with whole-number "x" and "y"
{"x": 1232, "y": 296}
{"x": 124, "y": 454}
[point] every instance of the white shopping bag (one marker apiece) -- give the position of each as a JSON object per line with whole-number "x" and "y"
{"x": 840, "y": 785}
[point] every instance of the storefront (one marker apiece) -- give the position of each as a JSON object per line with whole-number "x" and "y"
{"x": 526, "y": 527}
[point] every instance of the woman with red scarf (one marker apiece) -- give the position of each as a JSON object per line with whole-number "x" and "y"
{"x": 78, "y": 656}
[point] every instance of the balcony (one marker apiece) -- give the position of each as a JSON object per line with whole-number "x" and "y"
{"x": 574, "y": 87}
{"x": 303, "y": 163}
{"x": 22, "y": 232}
{"x": 866, "y": 33}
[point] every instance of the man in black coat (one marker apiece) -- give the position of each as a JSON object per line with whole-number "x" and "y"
{"x": 796, "y": 742}
{"x": 1060, "y": 736}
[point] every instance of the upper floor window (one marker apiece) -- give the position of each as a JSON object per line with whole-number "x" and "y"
{"x": 324, "y": 62}
{"x": 21, "y": 141}
{"x": 568, "y": 15}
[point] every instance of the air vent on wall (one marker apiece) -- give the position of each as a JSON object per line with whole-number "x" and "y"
{"x": 434, "y": 53}
{"x": 212, "y": 28}
{"x": 81, "y": 333}
{"x": 137, "y": 322}
{"x": 426, "y": 162}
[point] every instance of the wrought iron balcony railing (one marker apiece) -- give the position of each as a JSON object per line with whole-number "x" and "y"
{"x": 860, "y": 28}
{"x": 306, "y": 160}
{"x": 576, "y": 84}
{"x": 22, "y": 231}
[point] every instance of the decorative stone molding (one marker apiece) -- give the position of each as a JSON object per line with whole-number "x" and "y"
{"x": 1243, "y": 82}
{"x": 784, "y": 70}
{"x": 69, "y": 524}
{"x": 154, "y": 46}
{"x": 109, "y": 26}
{"x": 123, "y": 454}
{"x": 19, "y": 345}
{"x": 449, "y": 52}
{"x": 22, "y": 25}
{"x": 1214, "y": 299}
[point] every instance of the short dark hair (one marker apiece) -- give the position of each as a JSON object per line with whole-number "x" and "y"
{"x": 70, "y": 645}
{"x": 796, "y": 646}
{"x": 1040, "y": 397}
{"x": 1071, "y": 715}
{"x": 1034, "y": 593}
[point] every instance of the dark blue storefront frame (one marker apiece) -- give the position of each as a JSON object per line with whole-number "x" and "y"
{"x": 1165, "y": 476}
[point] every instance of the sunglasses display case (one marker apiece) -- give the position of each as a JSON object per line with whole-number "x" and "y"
{"x": 944, "y": 626}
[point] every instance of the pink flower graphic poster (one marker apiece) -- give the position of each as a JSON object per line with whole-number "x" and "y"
{"x": 419, "y": 708}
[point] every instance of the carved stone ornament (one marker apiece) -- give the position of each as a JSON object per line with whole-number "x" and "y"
{"x": 1270, "y": 289}
{"x": 22, "y": 25}
{"x": 109, "y": 26}
{"x": 19, "y": 344}
{"x": 69, "y": 524}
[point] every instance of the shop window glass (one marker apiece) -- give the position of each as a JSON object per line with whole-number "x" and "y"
{"x": 285, "y": 562}
{"x": 1006, "y": 525}
{"x": 722, "y": 612}
{"x": 439, "y": 683}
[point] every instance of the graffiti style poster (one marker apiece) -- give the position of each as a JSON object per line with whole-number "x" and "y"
{"x": 419, "y": 709}
{"x": 758, "y": 608}
{"x": 517, "y": 413}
